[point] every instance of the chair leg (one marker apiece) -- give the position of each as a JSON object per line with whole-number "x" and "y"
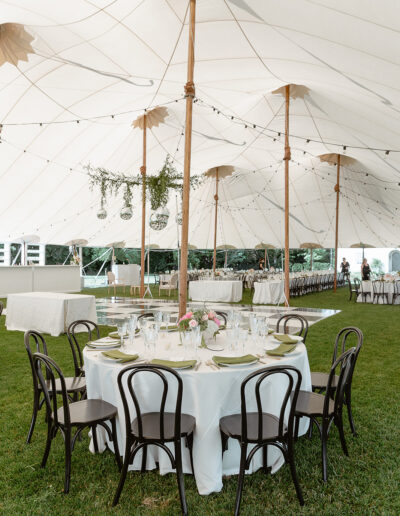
{"x": 267, "y": 470}
{"x": 350, "y": 413}
{"x": 94, "y": 436}
{"x": 48, "y": 443}
{"x": 189, "y": 444}
{"x": 324, "y": 442}
{"x": 243, "y": 456}
{"x": 67, "y": 445}
{"x": 124, "y": 471}
{"x": 144, "y": 458}
{"x": 115, "y": 441}
{"x": 179, "y": 475}
{"x": 339, "y": 424}
{"x": 33, "y": 420}
{"x": 290, "y": 458}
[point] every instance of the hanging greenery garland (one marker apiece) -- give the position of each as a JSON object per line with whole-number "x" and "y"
{"x": 158, "y": 186}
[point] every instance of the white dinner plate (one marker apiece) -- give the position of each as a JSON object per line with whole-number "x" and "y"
{"x": 238, "y": 365}
{"x": 105, "y": 348}
{"x": 216, "y": 347}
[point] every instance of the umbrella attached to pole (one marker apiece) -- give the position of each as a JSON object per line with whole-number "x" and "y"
{"x": 218, "y": 173}
{"x": 225, "y": 247}
{"x": 337, "y": 160}
{"x": 261, "y": 245}
{"x": 311, "y": 246}
{"x": 361, "y": 245}
{"x": 150, "y": 119}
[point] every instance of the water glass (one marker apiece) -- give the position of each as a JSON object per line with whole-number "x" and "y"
{"x": 237, "y": 319}
{"x": 158, "y": 316}
{"x": 243, "y": 335}
{"x": 122, "y": 328}
{"x": 253, "y": 324}
{"x": 166, "y": 317}
{"x": 143, "y": 323}
{"x": 150, "y": 342}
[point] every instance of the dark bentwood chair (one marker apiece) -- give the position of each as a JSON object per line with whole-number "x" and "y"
{"x": 262, "y": 428}
{"x": 222, "y": 316}
{"x": 320, "y": 380}
{"x": 378, "y": 289}
{"x": 396, "y": 291}
{"x": 1, "y": 307}
{"x": 92, "y": 333}
{"x": 328, "y": 407}
{"x": 80, "y": 414}
{"x": 154, "y": 428}
{"x": 284, "y": 320}
{"x": 76, "y": 386}
{"x": 146, "y": 315}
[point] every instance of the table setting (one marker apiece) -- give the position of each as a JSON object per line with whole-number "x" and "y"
{"x": 212, "y": 360}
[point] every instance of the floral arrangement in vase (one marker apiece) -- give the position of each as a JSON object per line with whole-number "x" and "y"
{"x": 205, "y": 320}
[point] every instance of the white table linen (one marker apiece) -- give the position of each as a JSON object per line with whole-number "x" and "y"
{"x": 269, "y": 292}
{"x": 367, "y": 288}
{"x": 217, "y": 291}
{"x": 208, "y": 395}
{"x": 48, "y": 312}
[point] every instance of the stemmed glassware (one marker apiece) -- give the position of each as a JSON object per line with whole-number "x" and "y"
{"x": 132, "y": 327}
{"x": 150, "y": 341}
{"x": 122, "y": 328}
{"x": 166, "y": 317}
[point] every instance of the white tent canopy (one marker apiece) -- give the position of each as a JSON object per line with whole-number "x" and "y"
{"x": 92, "y": 60}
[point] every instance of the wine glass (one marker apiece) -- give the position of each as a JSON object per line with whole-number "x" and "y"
{"x": 150, "y": 341}
{"x": 121, "y": 327}
{"x": 166, "y": 317}
{"x": 132, "y": 327}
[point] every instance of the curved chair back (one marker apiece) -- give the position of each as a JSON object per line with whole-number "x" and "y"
{"x": 146, "y": 315}
{"x": 34, "y": 340}
{"x": 337, "y": 392}
{"x": 222, "y": 315}
{"x": 126, "y": 387}
{"x": 284, "y": 319}
{"x": 1, "y": 307}
{"x": 92, "y": 332}
{"x": 47, "y": 381}
{"x": 341, "y": 340}
{"x": 293, "y": 376}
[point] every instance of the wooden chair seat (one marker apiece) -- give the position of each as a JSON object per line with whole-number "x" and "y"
{"x": 320, "y": 381}
{"x": 231, "y": 426}
{"x": 72, "y": 383}
{"x": 151, "y": 426}
{"x": 312, "y": 404}
{"x": 87, "y": 412}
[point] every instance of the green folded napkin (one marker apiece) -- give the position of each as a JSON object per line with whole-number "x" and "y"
{"x": 178, "y": 364}
{"x": 281, "y": 350}
{"x": 234, "y": 360}
{"x": 114, "y": 334}
{"x": 286, "y": 339}
{"x": 169, "y": 327}
{"x": 120, "y": 356}
{"x": 270, "y": 331}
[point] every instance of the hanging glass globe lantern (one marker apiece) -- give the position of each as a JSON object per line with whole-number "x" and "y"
{"x": 126, "y": 213}
{"x": 159, "y": 219}
{"x": 102, "y": 213}
{"x": 179, "y": 218}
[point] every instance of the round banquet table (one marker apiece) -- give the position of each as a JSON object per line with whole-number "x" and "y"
{"x": 215, "y": 290}
{"x": 208, "y": 395}
{"x": 269, "y": 292}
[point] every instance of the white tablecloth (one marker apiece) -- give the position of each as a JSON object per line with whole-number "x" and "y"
{"x": 367, "y": 288}
{"x": 269, "y": 292}
{"x": 48, "y": 312}
{"x": 208, "y": 395}
{"x": 214, "y": 290}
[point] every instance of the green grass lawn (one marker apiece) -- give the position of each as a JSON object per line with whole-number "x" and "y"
{"x": 367, "y": 482}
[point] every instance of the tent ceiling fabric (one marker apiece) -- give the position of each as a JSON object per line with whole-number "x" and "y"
{"x": 88, "y": 60}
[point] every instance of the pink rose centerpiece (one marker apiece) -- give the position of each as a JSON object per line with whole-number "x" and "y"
{"x": 206, "y": 321}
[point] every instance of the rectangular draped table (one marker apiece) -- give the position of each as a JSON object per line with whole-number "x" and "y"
{"x": 217, "y": 291}
{"x": 269, "y": 292}
{"x": 48, "y": 312}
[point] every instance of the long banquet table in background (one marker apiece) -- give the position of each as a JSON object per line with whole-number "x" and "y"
{"x": 216, "y": 290}
{"x": 269, "y": 292}
{"x": 208, "y": 395}
{"x": 368, "y": 297}
{"x": 48, "y": 312}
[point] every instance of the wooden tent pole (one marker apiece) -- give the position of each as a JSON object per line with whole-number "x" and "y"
{"x": 189, "y": 93}
{"x": 337, "y": 190}
{"x": 286, "y": 158}
{"x": 143, "y": 172}
{"x": 215, "y": 220}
